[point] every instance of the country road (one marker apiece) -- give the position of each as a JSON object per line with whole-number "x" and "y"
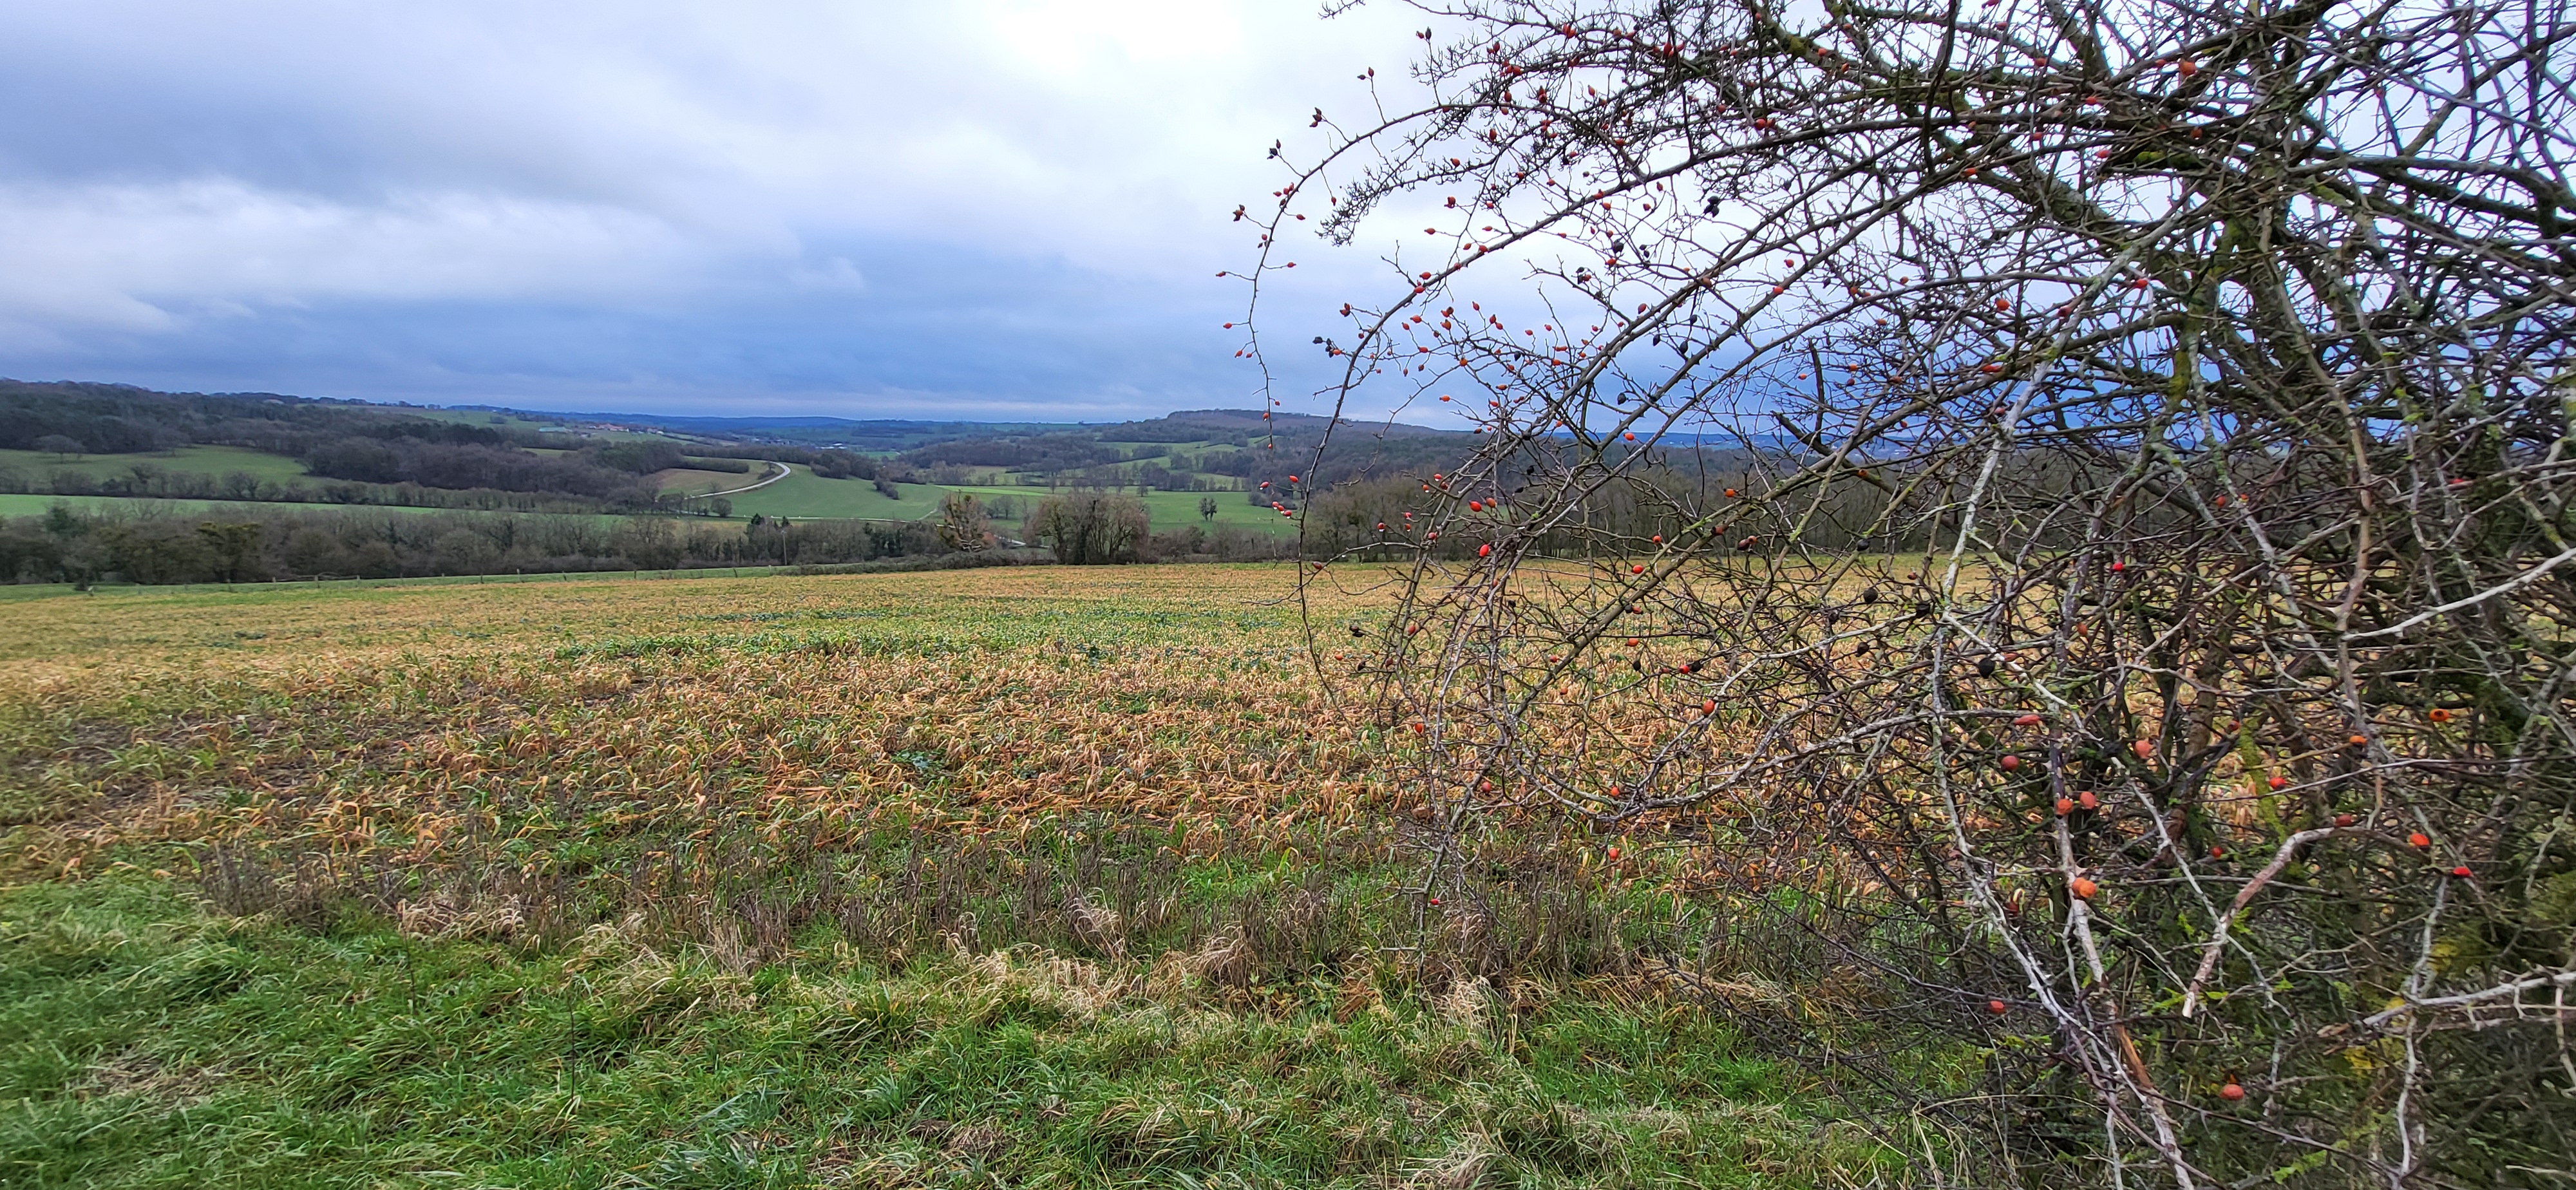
{"x": 784, "y": 470}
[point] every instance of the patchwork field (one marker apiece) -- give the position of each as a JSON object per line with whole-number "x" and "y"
{"x": 1022, "y": 876}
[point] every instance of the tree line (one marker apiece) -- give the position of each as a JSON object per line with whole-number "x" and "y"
{"x": 70, "y": 545}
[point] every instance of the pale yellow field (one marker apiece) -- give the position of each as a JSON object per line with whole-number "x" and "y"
{"x": 595, "y": 717}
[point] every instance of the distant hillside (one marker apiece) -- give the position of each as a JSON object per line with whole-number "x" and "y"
{"x": 873, "y": 435}
{"x": 895, "y": 435}
{"x": 118, "y": 442}
{"x": 55, "y": 436}
{"x": 1249, "y": 421}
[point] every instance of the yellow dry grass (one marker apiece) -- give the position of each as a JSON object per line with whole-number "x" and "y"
{"x": 572, "y": 722}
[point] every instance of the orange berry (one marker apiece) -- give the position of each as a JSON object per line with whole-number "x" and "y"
{"x": 2231, "y": 1092}
{"x": 2082, "y": 887}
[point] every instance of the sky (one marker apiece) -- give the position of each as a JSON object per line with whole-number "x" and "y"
{"x": 984, "y": 209}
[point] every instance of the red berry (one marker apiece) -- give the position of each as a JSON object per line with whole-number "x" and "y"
{"x": 2027, "y": 721}
{"x": 2010, "y": 763}
{"x": 2086, "y": 797}
{"x": 2343, "y": 820}
{"x": 2418, "y": 841}
{"x": 2231, "y": 1092}
{"x": 1996, "y": 1007}
{"x": 2462, "y": 871}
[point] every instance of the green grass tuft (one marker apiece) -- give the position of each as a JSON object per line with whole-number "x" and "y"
{"x": 145, "y": 1042}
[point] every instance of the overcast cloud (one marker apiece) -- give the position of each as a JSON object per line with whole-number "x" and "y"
{"x": 986, "y": 209}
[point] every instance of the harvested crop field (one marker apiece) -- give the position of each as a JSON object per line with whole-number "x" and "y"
{"x": 1069, "y": 876}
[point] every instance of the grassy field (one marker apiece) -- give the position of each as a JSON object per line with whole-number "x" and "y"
{"x": 1007, "y": 877}
{"x": 19, "y": 504}
{"x": 807, "y": 496}
{"x": 191, "y": 460}
{"x": 1176, "y": 510}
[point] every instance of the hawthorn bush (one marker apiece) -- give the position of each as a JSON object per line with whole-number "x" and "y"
{"x": 2075, "y": 499}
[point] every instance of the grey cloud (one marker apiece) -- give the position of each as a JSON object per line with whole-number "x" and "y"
{"x": 635, "y": 198}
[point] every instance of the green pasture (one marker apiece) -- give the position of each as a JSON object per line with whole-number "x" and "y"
{"x": 1175, "y": 510}
{"x": 187, "y": 460}
{"x": 15, "y": 504}
{"x": 807, "y": 496}
{"x": 145, "y": 1042}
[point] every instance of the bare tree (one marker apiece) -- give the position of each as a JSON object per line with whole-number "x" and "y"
{"x": 1088, "y": 527}
{"x": 2073, "y": 500}
{"x": 963, "y": 525}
